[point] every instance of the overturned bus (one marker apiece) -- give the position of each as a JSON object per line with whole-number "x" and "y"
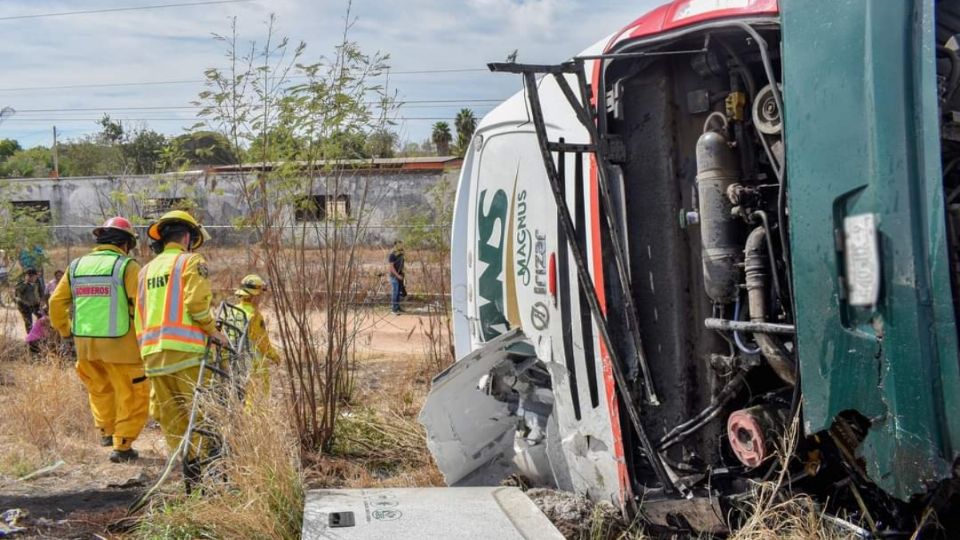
{"x": 719, "y": 244}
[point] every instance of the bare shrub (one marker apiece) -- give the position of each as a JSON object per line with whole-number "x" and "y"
{"x": 298, "y": 138}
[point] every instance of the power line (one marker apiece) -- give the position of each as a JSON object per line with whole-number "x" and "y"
{"x": 495, "y": 100}
{"x": 114, "y": 10}
{"x": 433, "y": 71}
{"x": 199, "y": 81}
{"x": 102, "y": 85}
{"x": 188, "y": 119}
{"x": 412, "y": 104}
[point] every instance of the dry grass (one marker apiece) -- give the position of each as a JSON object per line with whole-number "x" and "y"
{"x": 12, "y": 345}
{"x": 768, "y": 512}
{"x": 773, "y": 512}
{"x": 607, "y": 524}
{"x": 263, "y": 495}
{"x": 45, "y": 416}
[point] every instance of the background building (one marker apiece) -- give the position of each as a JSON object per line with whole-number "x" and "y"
{"x": 381, "y": 192}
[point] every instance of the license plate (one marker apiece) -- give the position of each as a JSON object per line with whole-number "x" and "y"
{"x": 862, "y": 260}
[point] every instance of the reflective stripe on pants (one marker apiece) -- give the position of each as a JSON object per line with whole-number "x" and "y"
{"x": 170, "y": 401}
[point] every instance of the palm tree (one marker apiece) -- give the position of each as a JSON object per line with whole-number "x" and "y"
{"x": 466, "y": 124}
{"x": 441, "y": 138}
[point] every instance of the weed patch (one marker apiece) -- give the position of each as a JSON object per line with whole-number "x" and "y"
{"x": 262, "y": 497}
{"x": 385, "y": 442}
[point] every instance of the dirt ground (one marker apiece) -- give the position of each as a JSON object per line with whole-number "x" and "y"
{"x": 81, "y": 497}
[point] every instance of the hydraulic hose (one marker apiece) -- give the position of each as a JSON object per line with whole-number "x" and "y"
{"x": 779, "y": 169}
{"x": 684, "y": 430}
{"x": 771, "y": 254}
{"x": 741, "y": 68}
{"x": 755, "y": 266}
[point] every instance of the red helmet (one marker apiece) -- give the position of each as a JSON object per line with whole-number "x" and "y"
{"x": 118, "y": 223}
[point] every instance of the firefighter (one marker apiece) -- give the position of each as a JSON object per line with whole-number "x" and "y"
{"x": 93, "y": 303}
{"x": 250, "y": 294}
{"x": 174, "y": 325}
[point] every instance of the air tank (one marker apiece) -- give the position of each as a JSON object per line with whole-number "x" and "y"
{"x": 721, "y": 233}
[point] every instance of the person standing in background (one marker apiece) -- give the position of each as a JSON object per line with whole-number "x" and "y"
{"x": 52, "y": 284}
{"x": 29, "y": 296}
{"x": 395, "y": 264}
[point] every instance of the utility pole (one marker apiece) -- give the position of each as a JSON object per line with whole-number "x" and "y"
{"x": 56, "y": 161}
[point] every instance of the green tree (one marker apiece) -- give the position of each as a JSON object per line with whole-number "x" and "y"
{"x": 441, "y": 138}
{"x": 144, "y": 151}
{"x": 203, "y": 148}
{"x": 381, "y": 143}
{"x": 36, "y": 162}
{"x": 87, "y": 156}
{"x": 279, "y": 144}
{"x": 110, "y": 132}
{"x": 348, "y": 143}
{"x": 141, "y": 148}
{"x": 19, "y": 227}
{"x": 8, "y": 147}
{"x": 466, "y": 124}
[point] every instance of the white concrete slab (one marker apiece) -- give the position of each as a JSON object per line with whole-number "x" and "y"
{"x": 500, "y": 513}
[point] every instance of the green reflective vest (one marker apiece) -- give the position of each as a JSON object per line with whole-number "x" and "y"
{"x": 163, "y": 322}
{"x": 100, "y": 308}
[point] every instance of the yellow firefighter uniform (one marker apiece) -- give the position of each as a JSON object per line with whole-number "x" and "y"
{"x": 262, "y": 350}
{"x": 110, "y": 367}
{"x": 173, "y": 321}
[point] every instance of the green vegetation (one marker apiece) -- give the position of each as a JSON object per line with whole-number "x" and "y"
{"x": 466, "y": 124}
{"x": 118, "y": 149}
{"x": 441, "y": 138}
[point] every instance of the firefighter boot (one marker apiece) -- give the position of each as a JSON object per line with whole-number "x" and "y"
{"x": 123, "y": 456}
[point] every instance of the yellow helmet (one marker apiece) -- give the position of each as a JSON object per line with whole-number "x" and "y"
{"x": 179, "y": 216}
{"x": 251, "y": 285}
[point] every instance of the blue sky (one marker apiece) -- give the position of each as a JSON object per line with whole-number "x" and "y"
{"x": 49, "y": 63}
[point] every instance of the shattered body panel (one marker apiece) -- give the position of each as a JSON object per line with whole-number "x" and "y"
{"x": 470, "y": 421}
{"x": 860, "y": 104}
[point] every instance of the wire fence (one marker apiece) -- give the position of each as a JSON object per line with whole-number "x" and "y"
{"x": 73, "y": 239}
{"x": 234, "y": 251}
